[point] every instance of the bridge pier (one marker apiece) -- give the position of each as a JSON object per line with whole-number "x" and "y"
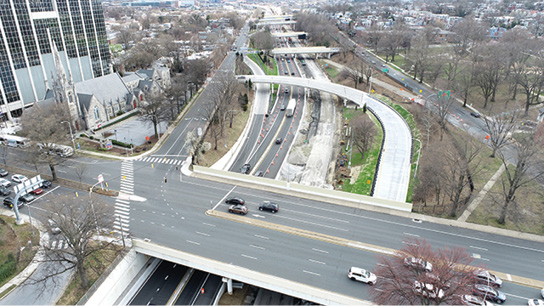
{"x": 229, "y": 284}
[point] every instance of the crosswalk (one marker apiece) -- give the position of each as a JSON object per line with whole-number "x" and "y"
{"x": 160, "y": 160}
{"x": 58, "y": 244}
{"x": 121, "y": 214}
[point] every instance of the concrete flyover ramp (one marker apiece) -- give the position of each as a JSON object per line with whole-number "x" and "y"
{"x": 305, "y": 50}
{"x": 288, "y": 34}
{"x": 393, "y": 174}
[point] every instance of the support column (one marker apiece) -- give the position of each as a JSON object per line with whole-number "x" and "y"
{"x": 229, "y": 286}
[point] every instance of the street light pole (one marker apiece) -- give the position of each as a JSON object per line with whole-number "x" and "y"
{"x": 71, "y": 134}
{"x": 418, "y": 154}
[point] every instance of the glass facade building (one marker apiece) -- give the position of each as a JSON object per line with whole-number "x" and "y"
{"x": 28, "y": 31}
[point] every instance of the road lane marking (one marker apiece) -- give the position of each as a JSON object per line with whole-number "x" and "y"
{"x": 483, "y": 249}
{"x": 223, "y": 199}
{"x": 262, "y": 237}
{"x": 317, "y": 262}
{"x": 317, "y": 224}
{"x": 318, "y": 250}
{"x": 257, "y": 247}
{"x": 413, "y": 235}
{"x": 313, "y": 273}
{"x": 193, "y": 242}
{"x": 208, "y": 224}
{"x": 247, "y": 256}
{"x": 203, "y": 234}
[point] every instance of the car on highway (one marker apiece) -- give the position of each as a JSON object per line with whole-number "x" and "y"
{"x": 542, "y": 292}
{"x": 46, "y": 184}
{"x": 3, "y": 172}
{"x": 246, "y": 168}
{"x": 18, "y": 178}
{"x": 4, "y": 191}
{"x": 235, "y": 201}
{"x": 362, "y": 275}
{"x": 286, "y": 72}
{"x": 487, "y": 278}
{"x": 278, "y": 141}
{"x": 428, "y": 290}
{"x": 293, "y": 73}
{"x": 5, "y": 183}
{"x": 27, "y": 198}
{"x": 269, "y": 206}
{"x": 238, "y": 209}
{"x": 535, "y": 302}
{"x": 37, "y": 191}
{"x": 472, "y": 300}
{"x": 418, "y": 263}
{"x": 475, "y": 114}
{"x": 259, "y": 173}
{"x": 489, "y": 293}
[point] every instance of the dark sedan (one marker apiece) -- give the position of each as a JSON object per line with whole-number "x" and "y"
{"x": 489, "y": 293}
{"x": 269, "y": 206}
{"x": 235, "y": 201}
{"x": 46, "y": 184}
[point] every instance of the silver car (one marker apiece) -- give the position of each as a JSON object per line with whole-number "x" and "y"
{"x": 5, "y": 183}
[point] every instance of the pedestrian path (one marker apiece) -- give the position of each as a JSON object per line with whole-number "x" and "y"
{"x": 121, "y": 222}
{"x": 162, "y": 160}
{"x": 59, "y": 244}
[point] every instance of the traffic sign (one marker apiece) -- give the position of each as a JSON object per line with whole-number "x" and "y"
{"x": 100, "y": 178}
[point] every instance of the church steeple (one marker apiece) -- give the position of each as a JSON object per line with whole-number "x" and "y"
{"x": 64, "y": 88}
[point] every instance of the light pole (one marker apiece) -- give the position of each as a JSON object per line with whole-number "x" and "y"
{"x": 224, "y": 118}
{"x": 71, "y": 134}
{"x": 418, "y": 154}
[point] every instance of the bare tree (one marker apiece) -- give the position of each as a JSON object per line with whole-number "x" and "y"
{"x": 401, "y": 284}
{"x": 393, "y": 40}
{"x": 487, "y": 72}
{"x": 498, "y": 129}
{"x": 364, "y": 131}
{"x": 176, "y": 95}
{"x": 520, "y": 169}
{"x": 440, "y": 106}
{"x": 418, "y": 56}
{"x": 354, "y": 71}
{"x": 77, "y": 219}
{"x": 154, "y": 110}
{"x": 80, "y": 169}
{"x": 197, "y": 72}
{"x": 125, "y": 37}
{"x": 44, "y": 125}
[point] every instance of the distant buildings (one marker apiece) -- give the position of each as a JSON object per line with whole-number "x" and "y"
{"x": 29, "y": 31}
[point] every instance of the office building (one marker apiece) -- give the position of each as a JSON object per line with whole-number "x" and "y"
{"x": 30, "y": 31}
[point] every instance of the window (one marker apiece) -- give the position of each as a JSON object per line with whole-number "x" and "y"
{"x": 96, "y": 113}
{"x": 116, "y": 107}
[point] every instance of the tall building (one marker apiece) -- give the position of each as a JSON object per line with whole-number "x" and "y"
{"x": 29, "y": 32}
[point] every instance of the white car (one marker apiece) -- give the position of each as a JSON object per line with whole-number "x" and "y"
{"x": 428, "y": 290}
{"x": 542, "y": 292}
{"x": 362, "y": 275}
{"x": 5, "y": 183}
{"x": 18, "y": 178}
{"x": 535, "y": 302}
{"x": 418, "y": 263}
{"x": 473, "y": 300}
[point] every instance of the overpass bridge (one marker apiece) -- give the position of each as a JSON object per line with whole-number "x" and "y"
{"x": 306, "y": 50}
{"x": 288, "y": 34}
{"x": 276, "y": 17}
{"x": 276, "y": 22}
{"x": 393, "y": 174}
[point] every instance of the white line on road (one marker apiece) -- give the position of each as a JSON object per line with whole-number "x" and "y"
{"x": 203, "y": 234}
{"x": 413, "y": 235}
{"x": 318, "y": 250}
{"x": 516, "y": 296}
{"x": 193, "y": 242}
{"x": 257, "y": 247}
{"x": 247, "y": 256}
{"x": 208, "y": 224}
{"x": 318, "y": 262}
{"x": 409, "y": 243}
{"x": 309, "y": 272}
{"x": 483, "y": 249}
{"x": 223, "y": 199}
{"x": 313, "y": 223}
{"x": 262, "y": 237}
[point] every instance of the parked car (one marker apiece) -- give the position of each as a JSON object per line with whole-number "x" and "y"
{"x": 18, "y": 178}
{"x": 238, "y": 209}
{"x": 278, "y": 141}
{"x": 428, "y": 290}
{"x": 27, "y": 198}
{"x": 46, "y": 184}
{"x": 3, "y": 172}
{"x": 269, "y": 206}
{"x": 246, "y": 168}
{"x": 486, "y": 278}
{"x": 535, "y": 302}
{"x": 4, "y": 191}
{"x": 542, "y": 292}
{"x": 37, "y": 191}
{"x": 54, "y": 227}
{"x": 235, "y": 201}
{"x": 489, "y": 293}
{"x": 418, "y": 263}
{"x": 5, "y": 182}
{"x": 8, "y": 201}
{"x": 473, "y": 300}
{"x": 362, "y": 275}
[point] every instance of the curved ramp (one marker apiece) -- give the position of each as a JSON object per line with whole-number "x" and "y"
{"x": 395, "y": 163}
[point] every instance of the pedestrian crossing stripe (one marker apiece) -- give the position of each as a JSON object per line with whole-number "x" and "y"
{"x": 160, "y": 160}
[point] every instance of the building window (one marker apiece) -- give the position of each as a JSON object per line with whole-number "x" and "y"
{"x": 116, "y": 107}
{"x": 110, "y": 112}
{"x": 96, "y": 113}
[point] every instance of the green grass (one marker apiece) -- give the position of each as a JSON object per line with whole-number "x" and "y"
{"x": 369, "y": 162}
{"x": 267, "y": 70}
{"x": 332, "y": 72}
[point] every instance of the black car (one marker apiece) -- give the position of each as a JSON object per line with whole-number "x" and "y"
{"x": 269, "y": 206}
{"x": 8, "y": 202}
{"x": 4, "y": 191}
{"x": 3, "y": 172}
{"x": 235, "y": 200}
{"x": 46, "y": 184}
{"x": 245, "y": 169}
{"x": 489, "y": 293}
{"x": 259, "y": 173}
{"x": 278, "y": 141}
{"x": 475, "y": 115}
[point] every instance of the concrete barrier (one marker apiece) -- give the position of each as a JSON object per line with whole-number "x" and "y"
{"x": 333, "y": 196}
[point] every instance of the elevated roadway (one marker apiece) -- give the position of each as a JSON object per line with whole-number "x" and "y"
{"x": 393, "y": 174}
{"x": 276, "y": 22}
{"x": 305, "y": 50}
{"x": 288, "y": 34}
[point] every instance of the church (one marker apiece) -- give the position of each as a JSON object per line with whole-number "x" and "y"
{"x": 98, "y": 101}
